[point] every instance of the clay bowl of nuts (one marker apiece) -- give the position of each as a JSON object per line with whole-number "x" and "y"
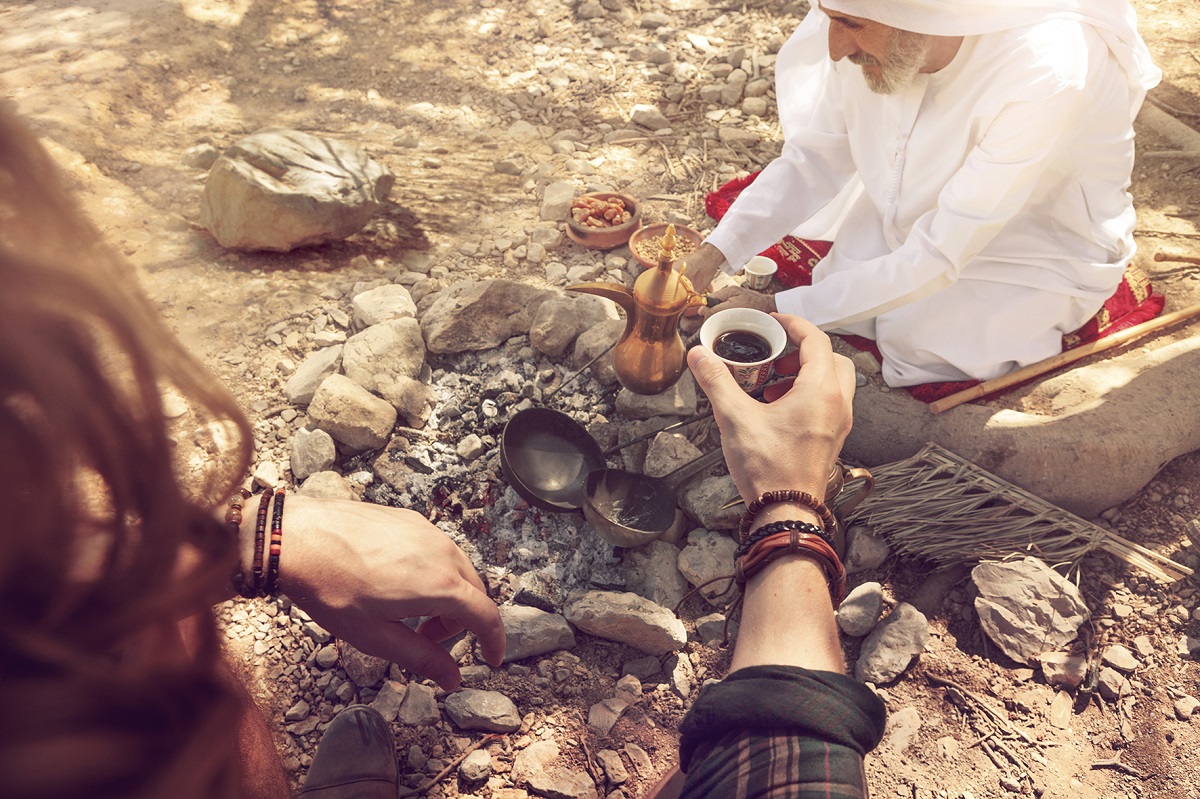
{"x": 646, "y": 243}
{"x": 603, "y": 220}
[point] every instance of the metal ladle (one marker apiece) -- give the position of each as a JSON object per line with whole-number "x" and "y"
{"x": 628, "y": 509}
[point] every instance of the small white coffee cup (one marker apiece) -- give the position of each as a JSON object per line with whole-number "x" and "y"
{"x": 753, "y": 374}
{"x": 759, "y": 271}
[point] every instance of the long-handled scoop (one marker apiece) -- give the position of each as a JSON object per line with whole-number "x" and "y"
{"x": 628, "y": 509}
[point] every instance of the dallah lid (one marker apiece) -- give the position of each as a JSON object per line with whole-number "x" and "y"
{"x": 1114, "y": 20}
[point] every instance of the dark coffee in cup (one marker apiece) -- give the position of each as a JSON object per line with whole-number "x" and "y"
{"x": 742, "y": 346}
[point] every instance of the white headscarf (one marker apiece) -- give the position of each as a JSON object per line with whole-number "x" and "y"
{"x": 1114, "y": 20}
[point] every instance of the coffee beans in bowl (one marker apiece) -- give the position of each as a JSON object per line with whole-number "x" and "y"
{"x": 646, "y": 243}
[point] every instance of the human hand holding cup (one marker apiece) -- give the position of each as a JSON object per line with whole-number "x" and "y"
{"x": 747, "y": 341}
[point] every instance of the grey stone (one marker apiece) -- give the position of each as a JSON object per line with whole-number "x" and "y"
{"x": 411, "y": 398}
{"x": 678, "y": 400}
{"x": 366, "y": 670}
{"x": 603, "y": 716}
{"x": 1120, "y": 659}
{"x": 902, "y": 728}
{"x": 666, "y": 452}
{"x": 1063, "y": 670}
{"x": 707, "y": 556}
{"x": 1026, "y": 608}
{"x": 419, "y": 707}
{"x": 864, "y": 551}
{"x": 629, "y": 619}
{"x": 297, "y": 712}
{"x": 202, "y": 156}
{"x": 326, "y": 485}
{"x": 704, "y": 500}
{"x": 534, "y": 758}
{"x": 279, "y": 189}
{"x": 351, "y": 414}
{"x": 384, "y": 352}
{"x": 476, "y": 766}
{"x": 474, "y": 315}
{"x": 558, "y": 782}
{"x": 312, "y": 451}
{"x": 556, "y": 201}
{"x": 388, "y": 700}
{"x": 311, "y": 373}
{"x": 714, "y": 627}
{"x": 643, "y": 668}
{"x": 629, "y": 689}
{"x": 316, "y": 632}
{"x": 381, "y": 304}
{"x": 1185, "y": 707}
{"x": 1112, "y": 684}
{"x": 652, "y": 571}
{"x": 530, "y": 632}
{"x": 473, "y": 709}
{"x": 470, "y": 447}
{"x": 680, "y": 674}
{"x": 649, "y": 116}
{"x": 889, "y": 649}
{"x": 327, "y": 656}
{"x": 614, "y": 767}
{"x": 559, "y": 321}
{"x": 860, "y": 610}
{"x": 591, "y": 343}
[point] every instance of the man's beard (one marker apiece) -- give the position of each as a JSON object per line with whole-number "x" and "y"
{"x": 901, "y": 63}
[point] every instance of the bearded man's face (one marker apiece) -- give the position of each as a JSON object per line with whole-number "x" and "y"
{"x": 899, "y": 64}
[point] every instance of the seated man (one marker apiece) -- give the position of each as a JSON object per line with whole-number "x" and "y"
{"x": 969, "y": 159}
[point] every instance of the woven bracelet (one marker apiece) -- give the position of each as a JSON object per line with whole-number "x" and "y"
{"x": 782, "y": 527}
{"x": 775, "y": 497}
{"x": 794, "y": 542}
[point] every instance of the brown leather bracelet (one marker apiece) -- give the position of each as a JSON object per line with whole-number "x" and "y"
{"x": 788, "y": 495}
{"x": 794, "y": 542}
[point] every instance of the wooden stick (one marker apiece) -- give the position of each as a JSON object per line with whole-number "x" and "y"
{"x": 1062, "y": 359}
{"x": 1186, "y": 259}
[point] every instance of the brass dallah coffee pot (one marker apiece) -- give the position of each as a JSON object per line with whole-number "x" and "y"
{"x": 650, "y": 355}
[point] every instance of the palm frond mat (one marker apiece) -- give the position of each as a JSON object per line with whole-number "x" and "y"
{"x": 940, "y": 507}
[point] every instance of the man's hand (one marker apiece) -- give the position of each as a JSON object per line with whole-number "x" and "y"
{"x": 740, "y": 297}
{"x": 790, "y": 443}
{"x": 358, "y": 569}
{"x": 703, "y": 265}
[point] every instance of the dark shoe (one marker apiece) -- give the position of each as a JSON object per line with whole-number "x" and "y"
{"x": 356, "y": 758}
{"x": 670, "y": 786}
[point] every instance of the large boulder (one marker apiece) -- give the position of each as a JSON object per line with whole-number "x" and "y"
{"x": 474, "y": 315}
{"x": 280, "y": 189}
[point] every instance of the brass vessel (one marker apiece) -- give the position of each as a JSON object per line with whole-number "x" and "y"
{"x": 650, "y": 356}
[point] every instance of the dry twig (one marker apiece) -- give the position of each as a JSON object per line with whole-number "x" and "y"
{"x": 441, "y": 775}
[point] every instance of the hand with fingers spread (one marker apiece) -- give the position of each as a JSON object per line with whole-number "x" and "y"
{"x": 359, "y": 569}
{"x": 793, "y": 442}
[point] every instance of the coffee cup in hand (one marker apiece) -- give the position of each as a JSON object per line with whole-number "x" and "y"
{"x": 745, "y": 340}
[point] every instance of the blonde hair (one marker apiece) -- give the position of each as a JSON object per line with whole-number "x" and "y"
{"x": 97, "y": 521}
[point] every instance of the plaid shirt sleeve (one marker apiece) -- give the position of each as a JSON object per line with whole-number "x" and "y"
{"x": 778, "y": 731}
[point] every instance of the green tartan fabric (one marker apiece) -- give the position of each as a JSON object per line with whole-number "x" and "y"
{"x": 780, "y": 731}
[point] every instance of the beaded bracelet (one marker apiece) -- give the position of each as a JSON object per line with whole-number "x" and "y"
{"x": 233, "y": 518}
{"x": 272, "y": 585}
{"x": 794, "y": 542}
{"x": 781, "y": 527}
{"x": 775, "y": 497}
{"x": 260, "y": 535}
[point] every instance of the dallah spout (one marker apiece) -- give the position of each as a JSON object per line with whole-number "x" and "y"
{"x": 613, "y": 291}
